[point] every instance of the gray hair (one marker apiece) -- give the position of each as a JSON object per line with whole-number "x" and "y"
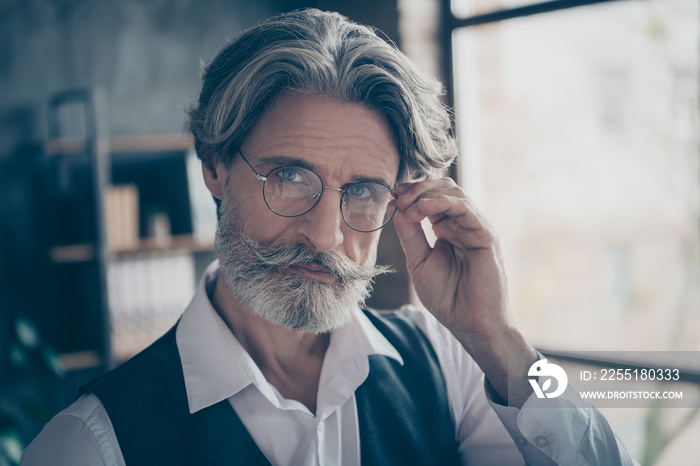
{"x": 320, "y": 53}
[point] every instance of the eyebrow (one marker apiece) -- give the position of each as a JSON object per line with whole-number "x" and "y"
{"x": 275, "y": 161}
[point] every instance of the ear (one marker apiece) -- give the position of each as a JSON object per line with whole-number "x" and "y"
{"x": 215, "y": 175}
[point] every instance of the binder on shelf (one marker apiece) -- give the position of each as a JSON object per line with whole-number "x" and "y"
{"x": 147, "y": 294}
{"x": 122, "y": 217}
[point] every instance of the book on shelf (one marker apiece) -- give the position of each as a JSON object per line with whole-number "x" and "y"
{"x": 203, "y": 208}
{"x": 122, "y": 216}
{"x": 147, "y": 294}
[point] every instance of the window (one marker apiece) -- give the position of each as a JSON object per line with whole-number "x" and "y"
{"x": 579, "y": 141}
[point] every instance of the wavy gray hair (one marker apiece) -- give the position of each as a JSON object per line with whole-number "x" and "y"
{"x": 321, "y": 53}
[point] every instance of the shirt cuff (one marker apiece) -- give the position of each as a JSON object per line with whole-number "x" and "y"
{"x": 555, "y": 430}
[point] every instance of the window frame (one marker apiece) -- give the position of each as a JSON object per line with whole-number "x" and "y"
{"x": 449, "y": 24}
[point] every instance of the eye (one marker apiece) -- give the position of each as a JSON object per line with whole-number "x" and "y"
{"x": 290, "y": 174}
{"x": 359, "y": 190}
{"x": 362, "y": 191}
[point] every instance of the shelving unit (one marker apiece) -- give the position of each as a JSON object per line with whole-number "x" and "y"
{"x": 113, "y": 298}
{"x": 86, "y": 252}
{"x": 95, "y": 155}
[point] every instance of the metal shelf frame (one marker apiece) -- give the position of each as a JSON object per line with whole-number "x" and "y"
{"x": 96, "y": 150}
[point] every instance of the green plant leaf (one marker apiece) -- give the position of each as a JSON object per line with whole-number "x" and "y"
{"x": 11, "y": 448}
{"x": 18, "y": 357}
{"x": 26, "y": 333}
{"x": 52, "y": 361}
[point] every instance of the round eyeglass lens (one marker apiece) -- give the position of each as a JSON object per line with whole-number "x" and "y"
{"x": 367, "y": 206}
{"x": 292, "y": 191}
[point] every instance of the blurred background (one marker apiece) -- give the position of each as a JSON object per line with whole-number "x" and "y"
{"x": 578, "y": 127}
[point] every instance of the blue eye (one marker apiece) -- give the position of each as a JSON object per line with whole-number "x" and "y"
{"x": 290, "y": 174}
{"x": 358, "y": 190}
{"x": 362, "y": 192}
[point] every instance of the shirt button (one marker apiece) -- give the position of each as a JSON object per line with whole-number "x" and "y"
{"x": 541, "y": 441}
{"x": 521, "y": 441}
{"x": 320, "y": 426}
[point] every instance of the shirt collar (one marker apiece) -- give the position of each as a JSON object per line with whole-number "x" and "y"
{"x": 215, "y": 365}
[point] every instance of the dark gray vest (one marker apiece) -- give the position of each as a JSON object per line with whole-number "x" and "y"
{"x": 404, "y": 414}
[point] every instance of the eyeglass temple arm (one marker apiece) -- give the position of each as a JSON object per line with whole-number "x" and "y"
{"x": 257, "y": 175}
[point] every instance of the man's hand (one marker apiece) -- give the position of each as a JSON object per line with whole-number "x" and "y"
{"x": 461, "y": 280}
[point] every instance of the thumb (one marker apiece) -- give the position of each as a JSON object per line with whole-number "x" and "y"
{"x": 413, "y": 240}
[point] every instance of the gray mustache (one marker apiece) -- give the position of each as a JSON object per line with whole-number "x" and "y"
{"x": 282, "y": 256}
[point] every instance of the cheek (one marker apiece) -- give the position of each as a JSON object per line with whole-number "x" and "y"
{"x": 363, "y": 248}
{"x": 266, "y": 227}
{"x": 249, "y": 198}
{"x": 259, "y": 222}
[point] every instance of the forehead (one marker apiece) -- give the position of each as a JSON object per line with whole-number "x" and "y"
{"x": 341, "y": 139}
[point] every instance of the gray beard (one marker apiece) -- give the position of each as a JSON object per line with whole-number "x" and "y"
{"x": 259, "y": 276}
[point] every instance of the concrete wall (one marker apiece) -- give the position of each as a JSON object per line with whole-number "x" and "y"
{"x": 145, "y": 53}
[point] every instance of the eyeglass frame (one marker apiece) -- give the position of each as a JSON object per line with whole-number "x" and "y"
{"x": 342, "y": 192}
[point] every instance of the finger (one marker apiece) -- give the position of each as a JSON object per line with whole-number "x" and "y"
{"x": 441, "y": 206}
{"x": 456, "y": 221}
{"x": 413, "y": 240}
{"x": 408, "y": 193}
{"x": 452, "y": 215}
{"x": 408, "y": 202}
{"x": 462, "y": 238}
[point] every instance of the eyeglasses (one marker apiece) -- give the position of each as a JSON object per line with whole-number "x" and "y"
{"x": 291, "y": 191}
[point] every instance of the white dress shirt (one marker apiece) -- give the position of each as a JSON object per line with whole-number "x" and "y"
{"x": 216, "y": 367}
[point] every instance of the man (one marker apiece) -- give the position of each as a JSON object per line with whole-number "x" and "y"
{"x": 314, "y": 134}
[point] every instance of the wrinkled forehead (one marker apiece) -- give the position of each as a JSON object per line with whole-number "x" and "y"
{"x": 337, "y": 138}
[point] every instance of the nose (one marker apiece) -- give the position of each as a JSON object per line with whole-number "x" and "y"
{"x": 322, "y": 225}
